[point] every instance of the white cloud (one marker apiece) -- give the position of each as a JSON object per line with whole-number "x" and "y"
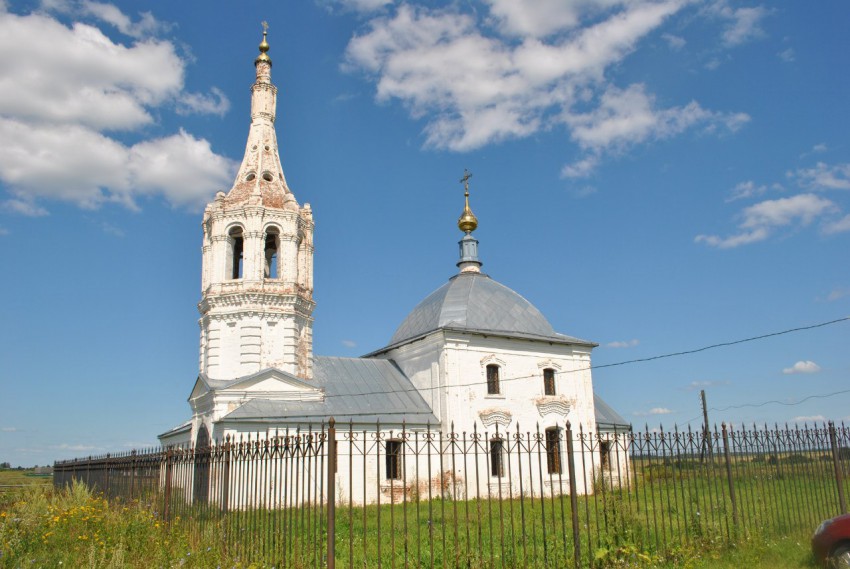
{"x": 654, "y": 411}
{"x": 837, "y": 293}
{"x": 82, "y": 77}
{"x": 76, "y": 447}
{"x": 349, "y": 343}
{"x": 623, "y": 344}
{"x": 694, "y": 385}
{"x": 581, "y": 168}
{"x": 802, "y": 366}
{"x": 787, "y": 55}
{"x": 824, "y": 177}
{"x": 55, "y": 116}
{"x": 78, "y": 165}
{"x": 110, "y": 229}
{"x": 9, "y": 429}
{"x": 24, "y": 207}
{"x": 216, "y": 103}
{"x": 775, "y": 213}
{"x": 583, "y": 191}
{"x": 626, "y": 117}
{"x": 675, "y": 42}
{"x": 809, "y": 419}
{"x": 761, "y": 219}
{"x": 146, "y": 26}
{"x": 182, "y": 168}
{"x": 820, "y": 148}
{"x": 741, "y": 24}
{"x": 745, "y": 190}
{"x": 363, "y": 6}
{"x": 473, "y": 86}
{"x": 837, "y": 226}
{"x": 540, "y": 18}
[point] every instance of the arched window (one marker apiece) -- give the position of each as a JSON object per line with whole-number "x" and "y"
{"x": 492, "y": 379}
{"x": 201, "y": 474}
{"x": 234, "y": 253}
{"x": 553, "y": 450}
{"x": 549, "y": 381}
{"x": 497, "y": 463}
{"x": 272, "y": 248}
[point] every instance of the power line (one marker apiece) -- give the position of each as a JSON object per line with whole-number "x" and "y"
{"x": 786, "y": 403}
{"x": 773, "y": 402}
{"x": 615, "y": 364}
{"x": 725, "y": 344}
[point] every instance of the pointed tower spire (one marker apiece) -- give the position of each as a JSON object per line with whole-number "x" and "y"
{"x": 467, "y": 223}
{"x": 260, "y": 180}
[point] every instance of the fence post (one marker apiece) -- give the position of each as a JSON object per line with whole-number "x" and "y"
{"x": 571, "y": 464}
{"x": 225, "y": 499}
{"x": 166, "y": 509}
{"x": 132, "y": 472}
{"x": 106, "y": 489}
{"x": 836, "y": 465}
{"x": 332, "y": 493}
{"x": 728, "y": 458}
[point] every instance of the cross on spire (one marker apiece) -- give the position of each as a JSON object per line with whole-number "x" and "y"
{"x": 465, "y": 181}
{"x": 265, "y": 25}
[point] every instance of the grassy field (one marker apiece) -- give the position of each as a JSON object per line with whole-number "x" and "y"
{"x": 13, "y": 478}
{"x": 73, "y": 528}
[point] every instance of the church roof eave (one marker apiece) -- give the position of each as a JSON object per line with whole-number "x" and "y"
{"x": 559, "y": 339}
{"x": 182, "y": 428}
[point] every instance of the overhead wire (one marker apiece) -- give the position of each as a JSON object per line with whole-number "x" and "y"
{"x": 594, "y": 367}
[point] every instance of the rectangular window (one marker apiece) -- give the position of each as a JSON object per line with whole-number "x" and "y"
{"x": 553, "y": 451}
{"x": 393, "y": 460}
{"x": 605, "y": 454}
{"x": 497, "y": 466}
{"x": 492, "y": 379}
{"x": 549, "y": 382}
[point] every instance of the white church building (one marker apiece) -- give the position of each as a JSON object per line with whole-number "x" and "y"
{"x": 472, "y": 356}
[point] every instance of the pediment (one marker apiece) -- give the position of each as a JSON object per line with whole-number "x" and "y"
{"x": 273, "y": 381}
{"x": 200, "y": 388}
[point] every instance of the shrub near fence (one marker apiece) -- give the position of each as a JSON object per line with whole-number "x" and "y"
{"x": 484, "y": 499}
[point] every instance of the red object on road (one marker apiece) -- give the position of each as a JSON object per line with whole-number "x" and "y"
{"x": 831, "y": 542}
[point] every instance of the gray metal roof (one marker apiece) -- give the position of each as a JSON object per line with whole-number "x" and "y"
{"x": 475, "y": 302}
{"x": 606, "y": 417}
{"x": 356, "y": 389}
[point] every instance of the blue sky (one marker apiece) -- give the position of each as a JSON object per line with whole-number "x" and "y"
{"x": 655, "y": 176}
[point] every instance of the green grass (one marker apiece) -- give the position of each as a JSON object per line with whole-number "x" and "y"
{"x": 40, "y": 527}
{"x": 10, "y": 477}
{"x": 668, "y": 514}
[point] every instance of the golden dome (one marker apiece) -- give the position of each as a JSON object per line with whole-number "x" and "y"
{"x": 467, "y": 222}
{"x": 264, "y": 47}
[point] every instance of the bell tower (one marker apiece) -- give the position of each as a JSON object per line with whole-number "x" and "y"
{"x": 257, "y": 259}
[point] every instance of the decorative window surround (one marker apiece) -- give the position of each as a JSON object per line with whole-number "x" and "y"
{"x": 493, "y": 417}
{"x": 554, "y": 405}
{"x": 549, "y": 363}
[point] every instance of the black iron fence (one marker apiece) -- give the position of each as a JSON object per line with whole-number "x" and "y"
{"x": 424, "y": 498}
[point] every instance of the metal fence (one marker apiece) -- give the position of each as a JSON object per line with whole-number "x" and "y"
{"x": 424, "y": 498}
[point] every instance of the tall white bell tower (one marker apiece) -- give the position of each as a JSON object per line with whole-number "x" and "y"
{"x": 257, "y": 274}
